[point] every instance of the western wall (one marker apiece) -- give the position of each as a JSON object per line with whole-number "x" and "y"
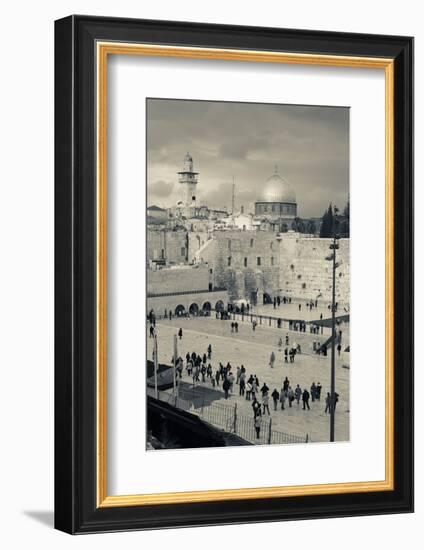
{"x": 259, "y": 265}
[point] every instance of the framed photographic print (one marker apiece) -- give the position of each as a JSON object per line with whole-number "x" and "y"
{"x": 234, "y": 259}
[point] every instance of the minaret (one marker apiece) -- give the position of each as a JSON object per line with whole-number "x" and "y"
{"x": 188, "y": 181}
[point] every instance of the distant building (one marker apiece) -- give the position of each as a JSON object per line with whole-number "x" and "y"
{"x": 184, "y": 289}
{"x": 256, "y": 256}
{"x": 188, "y": 182}
{"x": 156, "y": 215}
{"x": 276, "y": 200}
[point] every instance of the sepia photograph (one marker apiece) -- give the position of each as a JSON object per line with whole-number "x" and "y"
{"x": 247, "y": 274}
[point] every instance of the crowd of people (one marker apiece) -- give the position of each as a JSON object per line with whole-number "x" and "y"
{"x": 198, "y": 367}
{"x": 237, "y": 382}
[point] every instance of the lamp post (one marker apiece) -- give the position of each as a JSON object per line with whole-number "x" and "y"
{"x": 155, "y": 361}
{"x": 175, "y": 370}
{"x": 333, "y": 247}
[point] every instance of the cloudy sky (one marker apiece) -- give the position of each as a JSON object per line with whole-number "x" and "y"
{"x": 310, "y": 146}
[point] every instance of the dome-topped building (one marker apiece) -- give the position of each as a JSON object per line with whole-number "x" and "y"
{"x": 276, "y": 199}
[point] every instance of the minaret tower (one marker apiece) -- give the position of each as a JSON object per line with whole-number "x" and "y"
{"x": 188, "y": 181}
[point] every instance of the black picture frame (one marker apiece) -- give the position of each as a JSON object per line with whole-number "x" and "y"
{"x": 76, "y": 510}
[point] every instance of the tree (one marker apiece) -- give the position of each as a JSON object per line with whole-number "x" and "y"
{"x": 346, "y": 220}
{"x": 327, "y": 223}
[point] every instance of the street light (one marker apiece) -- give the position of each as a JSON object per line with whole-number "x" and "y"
{"x": 333, "y": 247}
{"x": 155, "y": 361}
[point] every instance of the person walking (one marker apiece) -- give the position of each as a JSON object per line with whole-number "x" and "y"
{"x": 275, "y": 397}
{"x": 305, "y": 399}
{"x": 236, "y": 326}
{"x": 231, "y": 379}
{"x": 280, "y": 343}
{"x": 286, "y": 385}
{"x": 226, "y": 387}
{"x": 232, "y": 327}
{"x": 265, "y": 403}
{"x": 254, "y": 389}
{"x": 339, "y": 349}
{"x": 180, "y": 333}
{"x": 203, "y": 371}
{"x": 238, "y": 372}
{"x": 286, "y": 355}
{"x": 258, "y": 422}
{"x": 318, "y": 391}
{"x": 290, "y": 396}
{"x": 256, "y": 406}
{"x": 297, "y": 393}
{"x": 336, "y": 399}
{"x": 242, "y": 385}
{"x": 248, "y": 390}
{"x": 287, "y": 339}
{"x": 217, "y": 376}
{"x": 264, "y": 389}
{"x": 327, "y": 402}
{"x": 282, "y": 398}
{"x": 209, "y": 371}
{"x": 313, "y": 391}
{"x": 272, "y": 360}
{"x": 254, "y": 325}
{"x": 209, "y": 351}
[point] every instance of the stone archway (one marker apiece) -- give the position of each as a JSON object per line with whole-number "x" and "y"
{"x": 207, "y": 307}
{"x": 180, "y": 310}
{"x": 194, "y": 310}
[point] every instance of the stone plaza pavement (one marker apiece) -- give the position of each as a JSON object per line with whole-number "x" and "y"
{"x": 291, "y": 311}
{"x": 252, "y": 349}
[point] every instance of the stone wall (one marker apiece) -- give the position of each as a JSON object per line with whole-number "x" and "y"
{"x": 306, "y": 273}
{"x": 254, "y": 264}
{"x": 192, "y": 302}
{"x": 244, "y": 262}
{"x": 177, "y": 279}
{"x": 171, "y": 246}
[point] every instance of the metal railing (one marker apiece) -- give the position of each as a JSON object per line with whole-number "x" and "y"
{"x": 227, "y": 418}
{"x": 185, "y": 292}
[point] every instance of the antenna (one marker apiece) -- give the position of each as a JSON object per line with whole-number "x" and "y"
{"x": 233, "y": 199}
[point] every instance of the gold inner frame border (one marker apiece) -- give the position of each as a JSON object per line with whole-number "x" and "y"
{"x": 103, "y": 50}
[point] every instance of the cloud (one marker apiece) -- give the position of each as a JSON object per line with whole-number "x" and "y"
{"x": 161, "y": 188}
{"x": 310, "y": 145}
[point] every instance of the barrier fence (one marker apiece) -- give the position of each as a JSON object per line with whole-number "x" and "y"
{"x": 228, "y": 419}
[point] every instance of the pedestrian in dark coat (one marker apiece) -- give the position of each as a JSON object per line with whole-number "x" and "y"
{"x": 305, "y": 399}
{"x": 226, "y": 387}
{"x": 180, "y": 333}
{"x": 258, "y": 422}
{"x": 256, "y": 406}
{"x": 313, "y": 391}
{"x": 328, "y": 403}
{"x": 264, "y": 389}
